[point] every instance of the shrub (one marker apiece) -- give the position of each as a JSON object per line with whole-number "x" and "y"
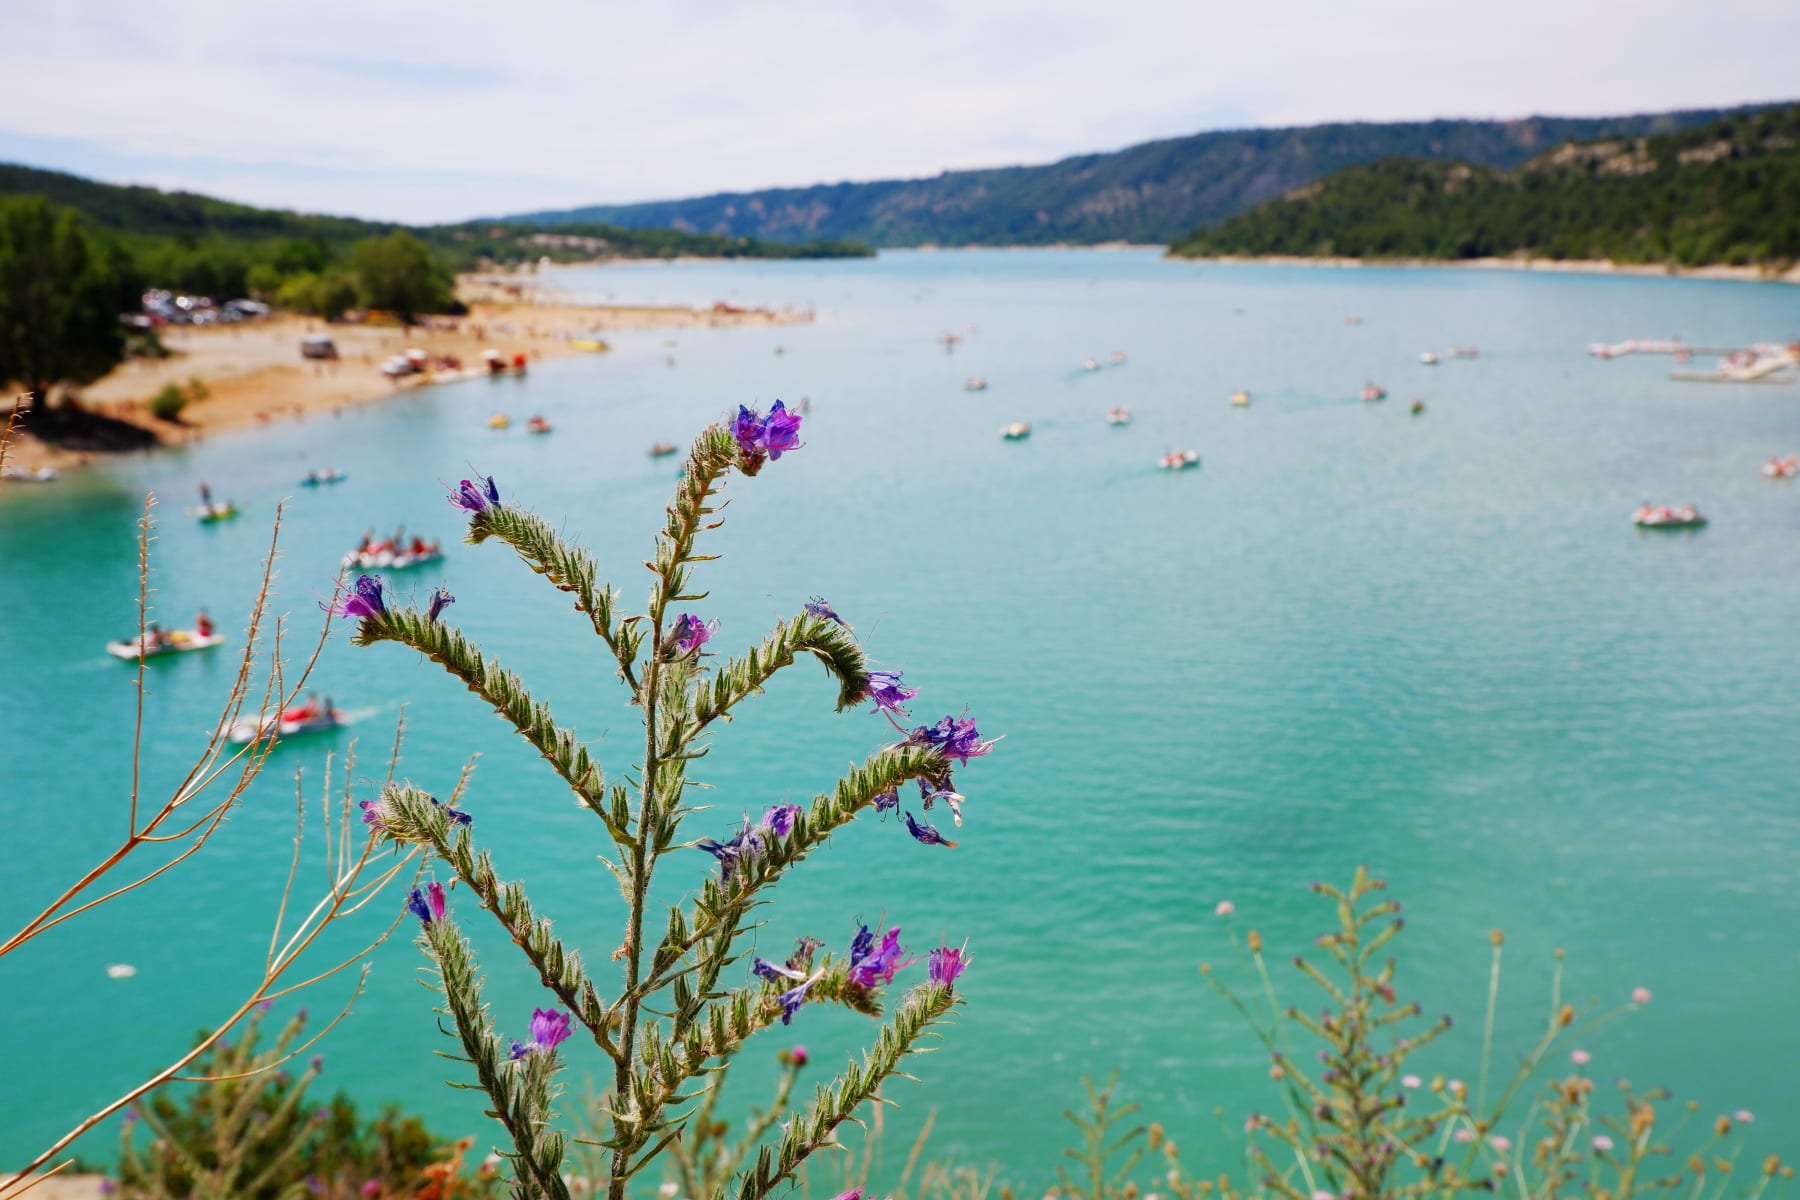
{"x": 167, "y": 404}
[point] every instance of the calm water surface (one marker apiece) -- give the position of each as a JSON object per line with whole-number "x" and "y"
{"x": 1435, "y": 645}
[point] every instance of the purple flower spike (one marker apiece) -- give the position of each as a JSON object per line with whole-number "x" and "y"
{"x": 362, "y": 600}
{"x": 780, "y": 432}
{"x": 946, "y": 964}
{"x": 779, "y": 820}
{"x": 440, "y": 600}
{"x": 690, "y": 633}
{"x": 878, "y": 967}
{"x": 427, "y": 904}
{"x": 549, "y": 1027}
{"x": 887, "y": 693}
{"x": 926, "y": 833}
{"x": 819, "y": 608}
{"x": 472, "y": 499}
{"x": 794, "y": 997}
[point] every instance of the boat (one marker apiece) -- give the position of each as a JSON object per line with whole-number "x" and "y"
{"x": 176, "y": 641}
{"x": 663, "y": 449}
{"x": 384, "y": 559}
{"x": 1418, "y": 407}
{"x": 1681, "y": 516}
{"x": 1353, "y": 320}
{"x": 1372, "y": 392}
{"x": 1465, "y": 352}
{"x": 324, "y": 475}
{"x": 1016, "y": 431}
{"x": 1118, "y": 415}
{"x": 26, "y": 475}
{"x": 538, "y": 425}
{"x": 300, "y": 719}
{"x": 212, "y": 513}
{"x": 1090, "y": 364}
{"x": 975, "y": 383}
{"x": 593, "y": 344}
{"x": 1118, "y": 358}
{"x": 499, "y": 421}
{"x": 1427, "y": 358}
{"x": 1179, "y": 460}
{"x": 498, "y": 364}
{"x": 1782, "y": 468}
{"x": 1240, "y": 399}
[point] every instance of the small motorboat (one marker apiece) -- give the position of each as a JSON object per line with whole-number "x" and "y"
{"x": 950, "y": 341}
{"x": 323, "y": 476}
{"x": 594, "y": 345}
{"x": 176, "y": 641}
{"x": 1372, "y": 392}
{"x": 538, "y": 425}
{"x": 1418, "y": 408}
{"x": 1090, "y": 364}
{"x": 212, "y": 513}
{"x": 1118, "y": 415}
{"x": 1118, "y": 358}
{"x": 1240, "y": 399}
{"x": 663, "y": 449}
{"x": 297, "y": 720}
{"x": 1782, "y": 468}
{"x": 1016, "y": 431}
{"x": 1180, "y": 460}
{"x": 387, "y": 559}
{"x": 1465, "y": 352}
{"x": 25, "y": 475}
{"x": 499, "y": 421}
{"x": 1663, "y": 516}
{"x": 975, "y": 383}
{"x": 1428, "y": 359}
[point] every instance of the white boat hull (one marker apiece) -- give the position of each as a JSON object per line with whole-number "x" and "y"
{"x": 179, "y": 642}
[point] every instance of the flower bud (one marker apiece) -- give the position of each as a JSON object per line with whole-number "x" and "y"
{"x": 1255, "y": 940}
{"x": 1498, "y": 938}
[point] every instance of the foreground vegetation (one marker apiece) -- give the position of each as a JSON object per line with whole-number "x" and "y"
{"x": 1727, "y": 192}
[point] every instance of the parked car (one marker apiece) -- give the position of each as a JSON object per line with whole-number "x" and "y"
{"x": 317, "y": 345}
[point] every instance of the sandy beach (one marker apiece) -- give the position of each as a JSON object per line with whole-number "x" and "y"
{"x": 253, "y": 372}
{"x": 1599, "y": 266}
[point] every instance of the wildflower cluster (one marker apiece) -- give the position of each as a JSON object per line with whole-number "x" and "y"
{"x": 671, "y": 1024}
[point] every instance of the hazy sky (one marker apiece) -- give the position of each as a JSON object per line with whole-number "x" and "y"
{"x": 397, "y": 109}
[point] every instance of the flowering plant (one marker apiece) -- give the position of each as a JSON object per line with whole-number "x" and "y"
{"x": 680, "y": 1007}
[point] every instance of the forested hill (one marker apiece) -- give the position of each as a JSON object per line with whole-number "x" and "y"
{"x": 1155, "y": 192}
{"x": 1727, "y": 192}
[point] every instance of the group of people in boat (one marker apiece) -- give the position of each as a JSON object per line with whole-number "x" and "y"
{"x": 156, "y": 637}
{"x": 399, "y": 544}
{"x": 310, "y": 709}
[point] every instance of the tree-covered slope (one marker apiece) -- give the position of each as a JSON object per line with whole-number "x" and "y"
{"x": 1153, "y": 192}
{"x": 1726, "y": 192}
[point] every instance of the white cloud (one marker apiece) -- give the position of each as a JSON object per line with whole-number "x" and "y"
{"x": 444, "y": 110}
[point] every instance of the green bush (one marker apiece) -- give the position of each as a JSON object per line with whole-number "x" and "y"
{"x": 167, "y": 404}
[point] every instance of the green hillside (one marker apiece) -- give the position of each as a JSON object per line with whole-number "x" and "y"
{"x": 184, "y": 241}
{"x": 1727, "y": 192}
{"x": 1153, "y": 192}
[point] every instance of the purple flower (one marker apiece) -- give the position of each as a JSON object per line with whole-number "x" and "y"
{"x": 457, "y": 816}
{"x": 926, "y": 833}
{"x": 440, "y": 600}
{"x": 747, "y": 429}
{"x": 886, "y": 801}
{"x": 877, "y": 966}
{"x": 549, "y": 1029}
{"x": 852, "y": 1194}
{"x": 953, "y": 737}
{"x": 690, "y": 633}
{"x": 798, "y": 1056}
{"x": 946, "y": 964}
{"x": 469, "y": 498}
{"x": 362, "y": 600}
{"x": 373, "y": 815}
{"x": 861, "y": 944}
{"x": 762, "y": 968}
{"x": 427, "y": 904}
{"x": 819, "y": 608}
{"x": 930, "y": 794}
{"x": 743, "y": 846}
{"x": 886, "y": 692}
{"x": 779, "y": 820}
{"x": 318, "y": 1062}
{"x": 780, "y": 431}
{"x": 794, "y": 997}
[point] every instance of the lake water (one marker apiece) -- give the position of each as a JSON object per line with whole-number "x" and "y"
{"x": 1432, "y": 644}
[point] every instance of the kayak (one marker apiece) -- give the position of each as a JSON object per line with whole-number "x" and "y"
{"x": 1684, "y": 516}
{"x": 178, "y": 641}
{"x": 210, "y": 513}
{"x": 1179, "y": 460}
{"x": 387, "y": 560}
{"x": 275, "y": 725}
{"x": 319, "y": 477}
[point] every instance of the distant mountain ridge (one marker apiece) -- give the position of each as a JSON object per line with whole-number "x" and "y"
{"x": 1154, "y": 192}
{"x": 1724, "y": 193}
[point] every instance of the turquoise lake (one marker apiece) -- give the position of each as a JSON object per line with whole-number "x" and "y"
{"x": 1434, "y": 644}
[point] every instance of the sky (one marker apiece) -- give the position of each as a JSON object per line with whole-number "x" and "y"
{"x": 393, "y": 109}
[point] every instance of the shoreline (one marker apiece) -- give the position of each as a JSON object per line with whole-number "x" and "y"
{"x": 1565, "y": 266}
{"x": 252, "y": 374}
